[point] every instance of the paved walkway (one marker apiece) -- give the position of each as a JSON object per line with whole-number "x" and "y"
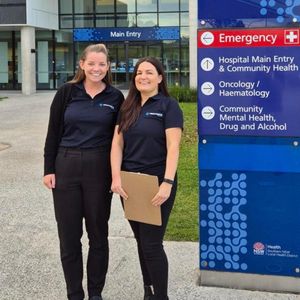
{"x": 29, "y": 252}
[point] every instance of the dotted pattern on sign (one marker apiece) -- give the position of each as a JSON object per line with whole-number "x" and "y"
{"x": 86, "y": 35}
{"x": 166, "y": 34}
{"x": 283, "y": 9}
{"x": 225, "y": 224}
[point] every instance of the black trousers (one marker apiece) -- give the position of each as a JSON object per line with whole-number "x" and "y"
{"x": 153, "y": 259}
{"x": 83, "y": 180}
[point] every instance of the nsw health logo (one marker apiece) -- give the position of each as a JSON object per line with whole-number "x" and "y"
{"x": 258, "y": 248}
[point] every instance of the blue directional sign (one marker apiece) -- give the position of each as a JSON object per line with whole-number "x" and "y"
{"x": 246, "y": 89}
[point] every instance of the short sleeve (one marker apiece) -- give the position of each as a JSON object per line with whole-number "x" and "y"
{"x": 173, "y": 115}
{"x": 118, "y": 118}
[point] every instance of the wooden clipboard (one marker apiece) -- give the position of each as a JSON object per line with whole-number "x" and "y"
{"x": 141, "y": 188}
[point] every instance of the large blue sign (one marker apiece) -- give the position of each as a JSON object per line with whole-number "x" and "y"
{"x": 248, "y": 13}
{"x": 249, "y": 154}
{"x": 126, "y": 34}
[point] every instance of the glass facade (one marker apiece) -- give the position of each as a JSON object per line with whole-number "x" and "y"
{"x": 134, "y": 13}
{"x": 168, "y": 5}
{"x": 57, "y": 53}
{"x": 10, "y": 61}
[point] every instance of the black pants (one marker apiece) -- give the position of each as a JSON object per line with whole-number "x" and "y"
{"x": 83, "y": 180}
{"x": 153, "y": 259}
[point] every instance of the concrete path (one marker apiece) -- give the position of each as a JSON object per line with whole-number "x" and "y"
{"x": 29, "y": 252}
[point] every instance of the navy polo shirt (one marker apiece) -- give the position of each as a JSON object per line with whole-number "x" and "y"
{"x": 145, "y": 141}
{"x": 89, "y": 122}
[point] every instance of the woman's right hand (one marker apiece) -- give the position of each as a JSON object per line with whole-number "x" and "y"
{"x": 49, "y": 181}
{"x": 116, "y": 187}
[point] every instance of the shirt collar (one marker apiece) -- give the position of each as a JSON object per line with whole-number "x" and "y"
{"x": 107, "y": 90}
{"x": 156, "y": 97}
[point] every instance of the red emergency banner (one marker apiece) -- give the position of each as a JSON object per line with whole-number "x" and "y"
{"x": 274, "y": 37}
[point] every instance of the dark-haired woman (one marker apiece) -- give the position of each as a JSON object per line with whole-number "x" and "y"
{"x": 83, "y": 115}
{"x": 146, "y": 140}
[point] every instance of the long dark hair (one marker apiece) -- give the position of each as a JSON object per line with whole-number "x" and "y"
{"x": 131, "y": 107}
{"x": 98, "y": 48}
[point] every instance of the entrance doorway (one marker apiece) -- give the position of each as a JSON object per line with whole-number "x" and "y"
{"x": 10, "y": 61}
{"x": 124, "y": 57}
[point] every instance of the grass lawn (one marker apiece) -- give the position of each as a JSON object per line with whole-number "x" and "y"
{"x": 183, "y": 224}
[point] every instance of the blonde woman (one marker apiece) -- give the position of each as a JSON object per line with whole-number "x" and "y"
{"x": 77, "y": 168}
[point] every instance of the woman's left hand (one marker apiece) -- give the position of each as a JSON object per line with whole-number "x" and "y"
{"x": 162, "y": 195}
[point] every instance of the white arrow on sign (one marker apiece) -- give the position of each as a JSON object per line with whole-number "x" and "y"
{"x": 207, "y": 38}
{"x": 207, "y": 112}
{"x": 207, "y": 88}
{"x": 207, "y": 64}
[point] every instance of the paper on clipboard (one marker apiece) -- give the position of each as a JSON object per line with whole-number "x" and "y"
{"x": 141, "y": 188}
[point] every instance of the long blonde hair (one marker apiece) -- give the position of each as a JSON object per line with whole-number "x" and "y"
{"x": 98, "y": 48}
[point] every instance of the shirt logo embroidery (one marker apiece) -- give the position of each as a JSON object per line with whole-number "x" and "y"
{"x": 106, "y": 105}
{"x": 160, "y": 115}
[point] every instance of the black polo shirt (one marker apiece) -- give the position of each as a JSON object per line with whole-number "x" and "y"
{"x": 89, "y": 122}
{"x": 145, "y": 141}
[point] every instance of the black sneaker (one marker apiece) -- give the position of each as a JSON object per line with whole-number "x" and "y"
{"x": 96, "y": 298}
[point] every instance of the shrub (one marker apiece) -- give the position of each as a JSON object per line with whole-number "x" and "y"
{"x": 183, "y": 94}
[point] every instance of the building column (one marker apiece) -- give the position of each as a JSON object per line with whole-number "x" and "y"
{"x": 193, "y": 13}
{"x": 28, "y": 60}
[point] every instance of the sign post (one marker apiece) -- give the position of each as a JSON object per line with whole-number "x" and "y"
{"x": 249, "y": 157}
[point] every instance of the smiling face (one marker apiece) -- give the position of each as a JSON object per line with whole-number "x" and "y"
{"x": 95, "y": 66}
{"x": 147, "y": 79}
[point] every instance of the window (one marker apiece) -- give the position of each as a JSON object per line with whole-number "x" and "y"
{"x": 146, "y": 20}
{"x": 66, "y": 21}
{"x": 168, "y": 5}
{"x": 125, "y": 6}
{"x": 169, "y": 19}
{"x": 171, "y": 61}
{"x": 184, "y": 19}
{"x": 184, "y": 33}
{"x": 83, "y": 6}
{"x": 184, "y": 62}
{"x": 64, "y": 57}
{"x": 126, "y": 20}
{"x": 84, "y": 21}
{"x": 105, "y": 20}
{"x": 184, "y": 5}
{"x": 105, "y": 6}
{"x": 65, "y": 6}
{"x": 146, "y": 5}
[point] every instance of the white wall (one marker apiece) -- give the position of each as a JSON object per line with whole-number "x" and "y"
{"x": 193, "y": 11}
{"x": 42, "y": 14}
